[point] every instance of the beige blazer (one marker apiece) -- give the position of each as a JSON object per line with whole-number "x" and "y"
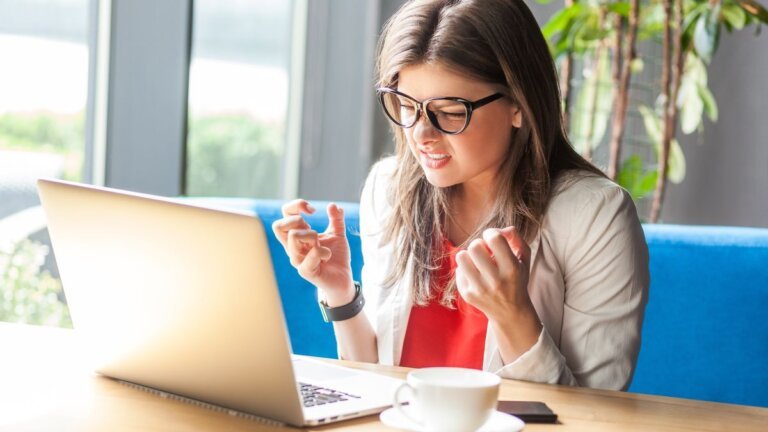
{"x": 588, "y": 282}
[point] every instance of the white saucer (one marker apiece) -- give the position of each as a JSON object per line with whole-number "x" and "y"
{"x": 499, "y": 422}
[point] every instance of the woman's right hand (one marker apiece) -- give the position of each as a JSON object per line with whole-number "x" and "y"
{"x": 322, "y": 259}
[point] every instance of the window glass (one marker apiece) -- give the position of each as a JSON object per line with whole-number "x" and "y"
{"x": 43, "y": 88}
{"x": 238, "y": 97}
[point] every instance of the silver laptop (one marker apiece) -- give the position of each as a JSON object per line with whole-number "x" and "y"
{"x": 183, "y": 299}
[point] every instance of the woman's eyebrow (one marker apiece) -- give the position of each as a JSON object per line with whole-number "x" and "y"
{"x": 433, "y": 94}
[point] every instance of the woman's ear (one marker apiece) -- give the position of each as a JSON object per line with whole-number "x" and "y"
{"x": 517, "y": 116}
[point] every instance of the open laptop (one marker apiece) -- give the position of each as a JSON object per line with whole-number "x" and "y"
{"x": 183, "y": 299}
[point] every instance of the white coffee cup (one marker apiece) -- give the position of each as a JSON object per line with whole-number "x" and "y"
{"x": 449, "y": 399}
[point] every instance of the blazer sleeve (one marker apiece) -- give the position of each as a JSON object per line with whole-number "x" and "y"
{"x": 374, "y": 209}
{"x": 604, "y": 260}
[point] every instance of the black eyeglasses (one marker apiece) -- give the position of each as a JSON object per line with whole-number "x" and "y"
{"x": 449, "y": 115}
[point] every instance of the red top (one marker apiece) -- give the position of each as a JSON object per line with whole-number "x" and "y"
{"x": 439, "y": 336}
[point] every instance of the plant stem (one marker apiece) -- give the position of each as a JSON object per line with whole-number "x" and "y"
{"x": 618, "y": 36}
{"x": 597, "y": 73}
{"x": 670, "y": 103}
{"x": 592, "y": 119}
{"x": 621, "y": 104}
{"x": 566, "y": 73}
{"x": 665, "y": 72}
{"x": 678, "y": 56}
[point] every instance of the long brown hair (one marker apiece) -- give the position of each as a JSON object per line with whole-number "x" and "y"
{"x": 494, "y": 41}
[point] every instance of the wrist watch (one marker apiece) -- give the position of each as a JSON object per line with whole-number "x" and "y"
{"x": 346, "y": 311}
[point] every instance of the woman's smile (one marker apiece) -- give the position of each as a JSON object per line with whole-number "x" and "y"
{"x": 434, "y": 160}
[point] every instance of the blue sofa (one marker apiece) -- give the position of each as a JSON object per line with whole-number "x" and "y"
{"x": 705, "y": 334}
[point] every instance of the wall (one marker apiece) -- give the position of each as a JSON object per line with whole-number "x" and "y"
{"x": 339, "y": 99}
{"x": 727, "y": 177}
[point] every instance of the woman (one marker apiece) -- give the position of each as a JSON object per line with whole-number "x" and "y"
{"x": 487, "y": 241}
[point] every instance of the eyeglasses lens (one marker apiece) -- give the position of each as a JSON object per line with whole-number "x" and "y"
{"x": 447, "y": 115}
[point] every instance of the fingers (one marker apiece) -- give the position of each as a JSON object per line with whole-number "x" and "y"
{"x": 299, "y": 243}
{"x": 336, "y": 225}
{"x": 282, "y": 227}
{"x": 502, "y": 251}
{"x": 467, "y": 275}
{"x": 481, "y": 257}
{"x": 303, "y": 244}
{"x": 291, "y": 219}
{"x": 519, "y": 246}
{"x": 500, "y": 254}
{"x": 310, "y": 266}
{"x": 296, "y": 207}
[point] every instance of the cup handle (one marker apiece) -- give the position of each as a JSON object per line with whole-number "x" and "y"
{"x": 398, "y": 404}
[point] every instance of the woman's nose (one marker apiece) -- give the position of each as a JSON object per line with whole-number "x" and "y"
{"x": 424, "y": 130}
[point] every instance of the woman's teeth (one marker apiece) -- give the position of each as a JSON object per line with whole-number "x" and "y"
{"x": 436, "y": 156}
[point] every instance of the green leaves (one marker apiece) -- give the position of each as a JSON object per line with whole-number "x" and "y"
{"x": 560, "y": 21}
{"x": 695, "y": 98}
{"x": 632, "y": 178}
{"x": 592, "y": 112}
{"x": 676, "y": 165}
{"x": 651, "y": 21}
{"x": 576, "y": 29}
{"x": 755, "y": 9}
{"x": 29, "y": 294}
{"x": 733, "y": 16}
{"x": 692, "y": 109}
{"x": 710, "y": 105}
{"x": 619, "y": 8}
{"x": 234, "y": 155}
{"x": 586, "y": 29}
{"x": 704, "y": 20}
{"x": 706, "y": 34}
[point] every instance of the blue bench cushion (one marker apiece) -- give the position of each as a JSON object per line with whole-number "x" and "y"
{"x": 309, "y": 334}
{"x": 705, "y": 334}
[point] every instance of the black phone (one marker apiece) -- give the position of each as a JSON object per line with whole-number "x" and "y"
{"x": 528, "y": 411}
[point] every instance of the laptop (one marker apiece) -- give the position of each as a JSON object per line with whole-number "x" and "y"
{"x": 183, "y": 299}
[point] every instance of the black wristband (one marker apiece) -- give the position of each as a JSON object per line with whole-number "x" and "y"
{"x": 347, "y": 311}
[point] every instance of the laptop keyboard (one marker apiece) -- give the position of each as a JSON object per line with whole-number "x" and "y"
{"x": 313, "y": 395}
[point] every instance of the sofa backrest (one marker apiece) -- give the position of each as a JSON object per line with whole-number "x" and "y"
{"x": 309, "y": 334}
{"x": 705, "y": 333}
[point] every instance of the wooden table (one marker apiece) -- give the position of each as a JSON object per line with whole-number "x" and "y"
{"x": 43, "y": 387}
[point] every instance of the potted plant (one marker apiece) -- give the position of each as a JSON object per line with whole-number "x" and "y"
{"x": 601, "y": 39}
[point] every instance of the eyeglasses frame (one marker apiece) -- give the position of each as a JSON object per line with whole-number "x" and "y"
{"x": 470, "y": 106}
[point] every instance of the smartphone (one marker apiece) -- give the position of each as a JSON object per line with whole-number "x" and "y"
{"x": 528, "y": 411}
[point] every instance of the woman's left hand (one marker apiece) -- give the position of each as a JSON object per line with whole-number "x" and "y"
{"x": 492, "y": 274}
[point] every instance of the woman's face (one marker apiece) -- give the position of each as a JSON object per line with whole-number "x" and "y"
{"x": 473, "y": 157}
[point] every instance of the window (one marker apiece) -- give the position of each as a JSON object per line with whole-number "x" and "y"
{"x": 238, "y": 97}
{"x": 44, "y": 87}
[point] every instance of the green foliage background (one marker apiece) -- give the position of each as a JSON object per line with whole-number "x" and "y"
{"x": 583, "y": 29}
{"x": 46, "y": 133}
{"x": 233, "y": 156}
{"x": 28, "y": 294}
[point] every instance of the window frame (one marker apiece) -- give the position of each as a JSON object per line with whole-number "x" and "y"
{"x": 138, "y": 123}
